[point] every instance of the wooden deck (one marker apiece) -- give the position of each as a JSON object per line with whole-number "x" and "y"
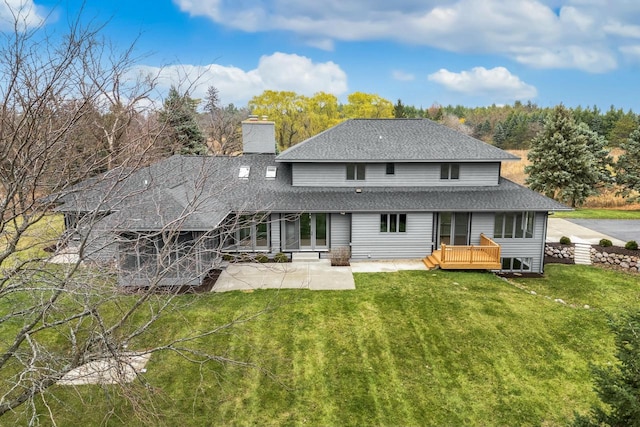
{"x": 485, "y": 256}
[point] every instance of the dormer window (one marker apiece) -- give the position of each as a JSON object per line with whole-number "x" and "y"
{"x": 271, "y": 172}
{"x": 355, "y": 171}
{"x": 449, "y": 171}
{"x": 244, "y": 172}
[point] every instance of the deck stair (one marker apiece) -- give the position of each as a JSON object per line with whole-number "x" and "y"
{"x": 432, "y": 261}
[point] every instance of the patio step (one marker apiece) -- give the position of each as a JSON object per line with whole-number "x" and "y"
{"x": 431, "y": 262}
{"x": 305, "y": 257}
{"x": 582, "y": 253}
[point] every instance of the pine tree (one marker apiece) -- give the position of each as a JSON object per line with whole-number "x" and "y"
{"x": 398, "y": 110}
{"x": 562, "y": 166}
{"x": 603, "y": 162}
{"x": 619, "y": 385}
{"x": 628, "y": 167}
{"x": 179, "y": 115}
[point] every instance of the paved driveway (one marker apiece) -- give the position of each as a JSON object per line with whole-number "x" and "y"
{"x": 623, "y": 229}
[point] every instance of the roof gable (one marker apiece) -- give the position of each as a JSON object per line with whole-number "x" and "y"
{"x": 382, "y": 140}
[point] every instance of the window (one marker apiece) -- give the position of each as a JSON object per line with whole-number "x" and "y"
{"x": 391, "y": 168}
{"x": 248, "y": 232}
{"x": 516, "y": 264}
{"x": 513, "y": 225}
{"x": 393, "y": 223}
{"x": 271, "y": 172}
{"x": 449, "y": 171}
{"x": 244, "y": 172}
{"x": 355, "y": 171}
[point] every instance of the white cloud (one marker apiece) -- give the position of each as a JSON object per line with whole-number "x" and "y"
{"x": 24, "y": 12}
{"x": 323, "y": 44}
{"x": 594, "y": 59}
{"x": 402, "y": 76}
{"x": 631, "y": 52}
{"x": 279, "y": 71}
{"x": 580, "y": 34}
{"x": 497, "y": 83}
{"x": 623, "y": 30}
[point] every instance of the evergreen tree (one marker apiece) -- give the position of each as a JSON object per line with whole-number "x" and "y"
{"x": 597, "y": 146}
{"x": 618, "y": 386}
{"x": 628, "y": 167}
{"x": 179, "y": 116}
{"x": 561, "y": 165}
{"x": 398, "y": 110}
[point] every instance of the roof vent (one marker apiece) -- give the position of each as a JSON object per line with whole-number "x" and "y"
{"x": 244, "y": 172}
{"x": 271, "y": 172}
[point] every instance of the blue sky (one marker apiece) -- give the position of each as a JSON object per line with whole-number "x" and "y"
{"x": 469, "y": 52}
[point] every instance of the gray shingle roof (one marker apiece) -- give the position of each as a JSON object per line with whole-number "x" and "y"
{"x": 197, "y": 193}
{"x": 383, "y": 140}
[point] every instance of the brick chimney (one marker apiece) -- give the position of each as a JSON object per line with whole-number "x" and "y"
{"x": 258, "y": 136}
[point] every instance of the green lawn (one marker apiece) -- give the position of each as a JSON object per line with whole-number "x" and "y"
{"x": 599, "y": 214}
{"x": 406, "y": 348}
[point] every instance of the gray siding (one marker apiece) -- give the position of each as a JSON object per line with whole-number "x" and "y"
{"x": 481, "y": 223}
{"x": 340, "y": 233}
{"x": 527, "y": 247}
{"x": 275, "y": 233}
{"x": 406, "y": 174}
{"x": 368, "y": 242}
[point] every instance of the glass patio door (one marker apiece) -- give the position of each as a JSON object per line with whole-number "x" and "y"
{"x": 307, "y": 232}
{"x": 453, "y": 228}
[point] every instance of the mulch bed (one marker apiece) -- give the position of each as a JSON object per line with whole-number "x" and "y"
{"x": 616, "y": 250}
{"x": 554, "y": 260}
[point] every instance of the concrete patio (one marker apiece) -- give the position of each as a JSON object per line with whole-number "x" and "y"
{"x": 315, "y": 276}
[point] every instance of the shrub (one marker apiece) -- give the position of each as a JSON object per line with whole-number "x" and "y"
{"x": 564, "y": 240}
{"x": 340, "y": 256}
{"x": 605, "y": 243}
{"x": 262, "y": 258}
{"x": 632, "y": 245}
{"x": 281, "y": 257}
{"x": 228, "y": 257}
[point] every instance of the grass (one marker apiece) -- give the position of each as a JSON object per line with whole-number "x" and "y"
{"x": 406, "y": 348}
{"x": 39, "y": 235}
{"x": 587, "y": 213}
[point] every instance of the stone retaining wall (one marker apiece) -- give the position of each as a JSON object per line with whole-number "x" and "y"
{"x": 622, "y": 261}
{"x": 562, "y": 251}
{"x": 626, "y": 262}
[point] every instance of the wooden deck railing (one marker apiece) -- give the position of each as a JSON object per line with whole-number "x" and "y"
{"x": 487, "y": 252}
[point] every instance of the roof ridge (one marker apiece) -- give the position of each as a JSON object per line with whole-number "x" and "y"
{"x": 302, "y": 143}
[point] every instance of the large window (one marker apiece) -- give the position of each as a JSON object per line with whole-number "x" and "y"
{"x": 516, "y": 264}
{"x": 514, "y": 225}
{"x": 249, "y": 232}
{"x": 393, "y": 223}
{"x": 449, "y": 171}
{"x": 355, "y": 171}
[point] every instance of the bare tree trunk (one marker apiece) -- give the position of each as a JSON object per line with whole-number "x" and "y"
{"x": 54, "y": 94}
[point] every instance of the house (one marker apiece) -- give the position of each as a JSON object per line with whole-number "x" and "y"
{"x": 384, "y": 188}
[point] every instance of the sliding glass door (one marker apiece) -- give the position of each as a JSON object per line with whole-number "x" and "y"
{"x": 308, "y": 231}
{"x": 453, "y": 228}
